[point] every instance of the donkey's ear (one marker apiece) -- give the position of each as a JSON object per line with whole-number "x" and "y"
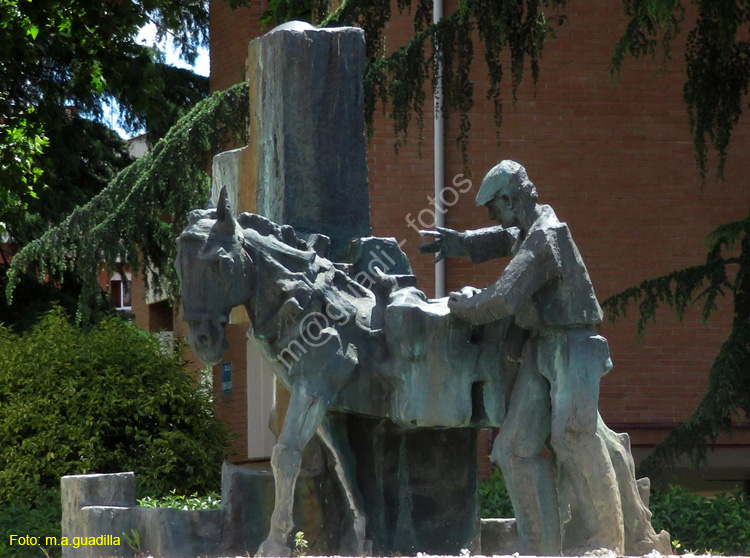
{"x": 224, "y": 208}
{"x": 224, "y": 216}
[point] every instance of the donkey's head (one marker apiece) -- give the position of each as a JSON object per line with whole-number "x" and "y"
{"x": 216, "y": 274}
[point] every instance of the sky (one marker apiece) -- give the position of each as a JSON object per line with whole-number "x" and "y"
{"x": 147, "y": 37}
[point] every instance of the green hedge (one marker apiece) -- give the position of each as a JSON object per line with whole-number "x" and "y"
{"x": 40, "y": 518}
{"x": 210, "y": 501}
{"x": 493, "y": 497}
{"x": 102, "y": 400}
{"x": 716, "y": 525}
{"x": 700, "y": 525}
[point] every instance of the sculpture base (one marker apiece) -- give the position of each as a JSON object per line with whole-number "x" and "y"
{"x": 419, "y": 486}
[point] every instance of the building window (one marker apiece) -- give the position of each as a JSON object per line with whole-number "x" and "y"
{"x": 120, "y": 291}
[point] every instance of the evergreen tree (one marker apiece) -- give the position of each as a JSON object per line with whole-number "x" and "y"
{"x": 60, "y": 62}
{"x": 717, "y": 61}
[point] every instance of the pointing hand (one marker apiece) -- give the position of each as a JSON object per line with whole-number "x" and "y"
{"x": 447, "y": 243}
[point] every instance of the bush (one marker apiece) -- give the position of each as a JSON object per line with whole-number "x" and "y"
{"x": 210, "y": 501}
{"x": 701, "y": 525}
{"x": 40, "y": 519}
{"x": 105, "y": 400}
{"x": 493, "y": 497}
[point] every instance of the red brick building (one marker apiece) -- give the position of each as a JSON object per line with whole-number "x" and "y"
{"x": 614, "y": 159}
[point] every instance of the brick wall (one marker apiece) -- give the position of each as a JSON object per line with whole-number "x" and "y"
{"x": 138, "y": 305}
{"x": 616, "y": 162}
{"x": 232, "y": 407}
{"x": 231, "y": 31}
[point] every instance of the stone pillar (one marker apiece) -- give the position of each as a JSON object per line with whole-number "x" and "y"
{"x": 307, "y": 145}
{"x": 306, "y": 161}
{"x": 95, "y": 505}
{"x": 229, "y": 170}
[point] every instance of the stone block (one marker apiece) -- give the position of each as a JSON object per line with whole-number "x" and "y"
{"x": 307, "y": 146}
{"x": 247, "y": 496}
{"x": 226, "y": 169}
{"x": 79, "y": 493}
{"x": 179, "y": 533}
{"x": 499, "y": 536}
{"x": 99, "y": 522}
{"x": 419, "y": 487}
{"x": 230, "y": 170}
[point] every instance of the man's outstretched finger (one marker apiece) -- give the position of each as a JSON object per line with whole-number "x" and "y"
{"x": 436, "y": 234}
{"x": 430, "y": 247}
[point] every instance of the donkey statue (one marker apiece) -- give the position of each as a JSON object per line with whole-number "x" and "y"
{"x": 375, "y": 347}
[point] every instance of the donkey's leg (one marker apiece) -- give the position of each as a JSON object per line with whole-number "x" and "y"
{"x": 333, "y": 435}
{"x": 304, "y": 415}
{"x": 316, "y": 379}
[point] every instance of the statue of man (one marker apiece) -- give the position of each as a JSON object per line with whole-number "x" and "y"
{"x": 546, "y": 289}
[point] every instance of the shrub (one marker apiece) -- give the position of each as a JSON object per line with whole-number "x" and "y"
{"x": 40, "y": 519}
{"x": 701, "y": 525}
{"x": 105, "y": 400}
{"x": 210, "y": 501}
{"x": 493, "y": 497}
